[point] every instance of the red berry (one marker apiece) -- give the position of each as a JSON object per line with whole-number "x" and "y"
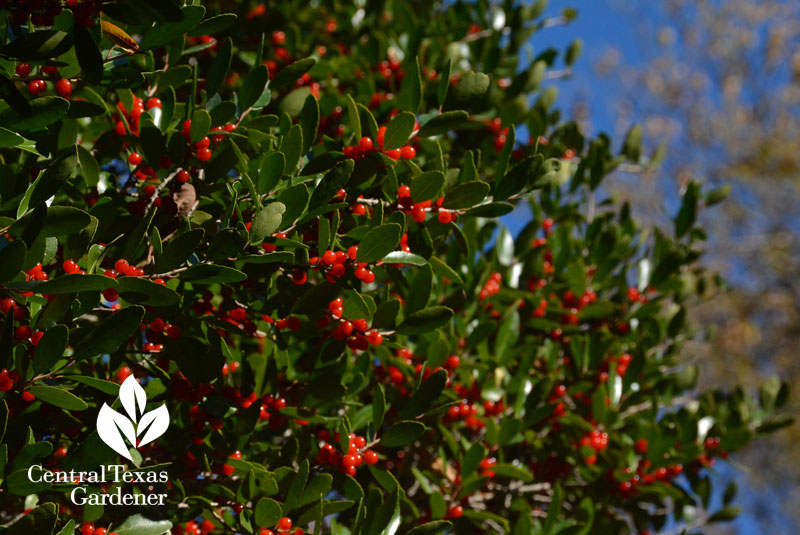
{"x": 285, "y": 524}
{"x": 121, "y": 265}
{"x": 153, "y": 102}
{"x": 408, "y": 152}
{"x": 365, "y": 144}
{"x": 445, "y": 217}
{"x": 33, "y": 87}
{"x": 204, "y": 154}
{"x": 394, "y": 154}
{"x": 64, "y": 88}
{"x": 455, "y": 512}
{"x": 134, "y": 158}
{"x": 183, "y": 176}
{"x": 375, "y": 338}
{"x": 50, "y": 70}
{"x": 71, "y": 267}
{"x": 370, "y": 457}
{"x": 27, "y": 396}
{"x": 23, "y": 69}
{"x": 87, "y": 528}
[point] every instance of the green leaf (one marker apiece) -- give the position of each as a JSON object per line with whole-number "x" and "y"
{"x": 141, "y": 525}
{"x": 725, "y": 514}
{"x": 10, "y": 139}
{"x": 39, "y": 45}
{"x": 632, "y": 147}
{"x": 18, "y": 106}
{"x": 50, "y": 181}
{"x": 378, "y": 407}
{"x": 267, "y": 512}
{"x": 443, "y": 123}
{"x": 426, "y": 395}
{"x": 493, "y": 209}
{"x": 431, "y": 528}
{"x": 471, "y": 87}
{"x": 211, "y": 274}
{"x": 40, "y": 521}
{"x": 145, "y": 292}
{"x": 267, "y": 221}
{"x": 414, "y": 81}
{"x": 12, "y": 258}
{"x": 107, "y": 387}
{"x": 426, "y": 186}
{"x": 309, "y": 121}
{"x": 379, "y": 242}
{"x": 214, "y": 25}
{"x": 51, "y": 348}
{"x": 164, "y": 33}
{"x": 444, "y": 83}
{"x": 399, "y": 130}
{"x": 44, "y": 111}
{"x": 219, "y": 66}
{"x": 89, "y": 57}
{"x": 89, "y": 166}
{"x": 69, "y": 284}
{"x": 289, "y": 74}
{"x": 58, "y": 397}
{"x": 425, "y": 320}
{"x": 445, "y": 271}
{"x": 402, "y": 433}
{"x": 111, "y": 333}
{"x": 63, "y": 221}
{"x": 291, "y": 147}
{"x": 201, "y": 123}
{"x": 270, "y": 172}
{"x": 355, "y": 119}
{"x": 688, "y": 212}
{"x": 294, "y": 199}
{"x": 402, "y": 257}
{"x": 253, "y": 87}
{"x": 466, "y": 195}
{"x": 331, "y": 183}
{"x": 512, "y": 471}
{"x": 179, "y": 250}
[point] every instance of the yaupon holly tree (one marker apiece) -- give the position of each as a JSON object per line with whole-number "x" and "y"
{"x": 283, "y": 220}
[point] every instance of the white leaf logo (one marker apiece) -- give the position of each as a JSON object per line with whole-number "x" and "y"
{"x": 115, "y": 428}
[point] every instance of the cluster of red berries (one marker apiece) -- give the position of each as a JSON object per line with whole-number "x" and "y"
{"x": 357, "y": 332}
{"x": 135, "y": 114}
{"x": 357, "y": 454}
{"x": 202, "y": 148}
{"x": 44, "y": 12}
{"x": 194, "y": 528}
{"x": 491, "y": 287}
{"x": 622, "y": 362}
{"x": 8, "y": 380}
{"x": 153, "y": 332}
{"x": 334, "y": 265}
{"x": 366, "y": 146}
{"x": 632, "y": 480}
{"x": 486, "y": 466}
{"x": 499, "y": 132}
{"x": 62, "y": 85}
{"x": 21, "y": 332}
{"x": 419, "y": 211}
{"x": 635, "y": 296}
{"x": 36, "y": 273}
{"x": 87, "y": 528}
{"x": 596, "y": 440}
{"x": 284, "y": 525}
{"x": 238, "y": 318}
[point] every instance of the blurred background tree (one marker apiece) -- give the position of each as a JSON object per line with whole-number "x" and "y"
{"x": 717, "y": 82}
